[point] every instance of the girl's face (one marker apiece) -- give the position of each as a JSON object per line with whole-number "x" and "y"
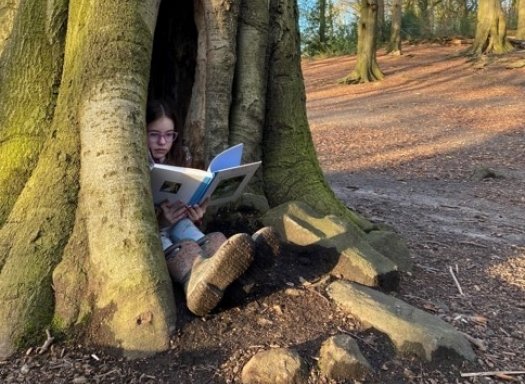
{"x": 161, "y": 136}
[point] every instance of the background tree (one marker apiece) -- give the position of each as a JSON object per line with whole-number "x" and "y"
{"x": 335, "y": 23}
{"x": 79, "y": 249}
{"x": 520, "y": 31}
{"x": 394, "y": 43}
{"x": 491, "y": 29}
{"x": 381, "y": 20}
{"x": 366, "y": 68}
{"x": 322, "y": 22}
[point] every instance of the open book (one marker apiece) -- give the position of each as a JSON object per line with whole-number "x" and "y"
{"x": 223, "y": 182}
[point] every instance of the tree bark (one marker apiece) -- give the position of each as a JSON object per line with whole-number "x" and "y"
{"x": 221, "y": 29}
{"x": 23, "y": 130}
{"x": 426, "y": 23}
{"x": 520, "y": 32}
{"x": 8, "y": 11}
{"x": 394, "y": 44}
{"x": 491, "y": 29}
{"x": 249, "y": 89}
{"x": 322, "y": 23}
{"x": 366, "y": 69}
{"x": 128, "y": 301}
{"x": 381, "y": 20}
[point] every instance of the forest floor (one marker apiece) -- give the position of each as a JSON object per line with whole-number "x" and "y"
{"x": 437, "y": 151}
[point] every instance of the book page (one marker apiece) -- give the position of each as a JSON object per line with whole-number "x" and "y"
{"x": 228, "y": 184}
{"x": 178, "y": 183}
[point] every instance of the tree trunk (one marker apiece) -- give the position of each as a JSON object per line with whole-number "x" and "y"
{"x": 92, "y": 166}
{"x": 520, "y": 32}
{"x": 425, "y": 23}
{"x": 249, "y": 94}
{"x": 394, "y": 44}
{"x": 491, "y": 29}
{"x": 381, "y": 20}
{"x": 79, "y": 247}
{"x": 367, "y": 69}
{"x": 7, "y": 15}
{"x": 464, "y": 22}
{"x": 322, "y": 23}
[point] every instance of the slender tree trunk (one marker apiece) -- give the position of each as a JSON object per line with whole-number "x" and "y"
{"x": 520, "y": 32}
{"x": 394, "y": 44}
{"x": 426, "y": 9}
{"x": 322, "y": 23}
{"x": 367, "y": 68}
{"x": 464, "y": 24}
{"x": 491, "y": 29}
{"x": 381, "y": 20}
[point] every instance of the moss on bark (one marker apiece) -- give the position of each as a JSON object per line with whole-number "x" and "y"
{"x": 491, "y": 30}
{"x": 291, "y": 168}
{"x": 107, "y": 63}
{"x": 29, "y": 76}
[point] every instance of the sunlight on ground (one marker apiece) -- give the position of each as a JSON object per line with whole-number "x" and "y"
{"x": 418, "y": 112}
{"x": 510, "y": 271}
{"x": 367, "y": 148}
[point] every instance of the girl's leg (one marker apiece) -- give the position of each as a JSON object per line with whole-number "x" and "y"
{"x": 205, "y": 278}
{"x": 180, "y": 259}
{"x": 185, "y": 229}
{"x": 212, "y": 242}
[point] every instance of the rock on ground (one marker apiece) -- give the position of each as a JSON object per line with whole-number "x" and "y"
{"x": 275, "y": 366}
{"x": 413, "y": 331}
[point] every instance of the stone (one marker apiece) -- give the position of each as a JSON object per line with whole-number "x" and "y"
{"x": 275, "y": 366}
{"x": 482, "y": 173}
{"x": 411, "y": 330}
{"x": 357, "y": 260}
{"x": 341, "y": 360}
{"x": 252, "y": 201}
{"x": 391, "y": 245}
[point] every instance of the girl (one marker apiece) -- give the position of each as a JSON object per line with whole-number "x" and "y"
{"x": 204, "y": 264}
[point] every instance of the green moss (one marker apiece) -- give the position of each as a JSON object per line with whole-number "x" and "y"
{"x": 28, "y": 96}
{"x": 33, "y": 330}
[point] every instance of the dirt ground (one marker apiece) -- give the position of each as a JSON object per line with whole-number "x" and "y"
{"x": 437, "y": 151}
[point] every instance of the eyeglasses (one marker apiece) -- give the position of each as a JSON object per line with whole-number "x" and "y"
{"x": 168, "y": 136}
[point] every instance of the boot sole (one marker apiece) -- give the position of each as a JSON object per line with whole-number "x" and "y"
{"x": 267, "y": 248}
{"x": 231, "y": 260}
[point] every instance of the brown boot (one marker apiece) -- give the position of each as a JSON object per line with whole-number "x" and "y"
{"x": 267, "y": 247}
{"x": 209, "y": 277}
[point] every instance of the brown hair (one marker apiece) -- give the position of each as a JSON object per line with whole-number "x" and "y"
{"x": 157, "y": 109}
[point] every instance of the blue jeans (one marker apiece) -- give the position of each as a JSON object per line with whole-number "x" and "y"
{"x": 184, "y": 229}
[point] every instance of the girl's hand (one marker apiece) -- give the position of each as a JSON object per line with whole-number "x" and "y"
{"x": 173, "y": 212}
{"x": 196, "y": 212}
